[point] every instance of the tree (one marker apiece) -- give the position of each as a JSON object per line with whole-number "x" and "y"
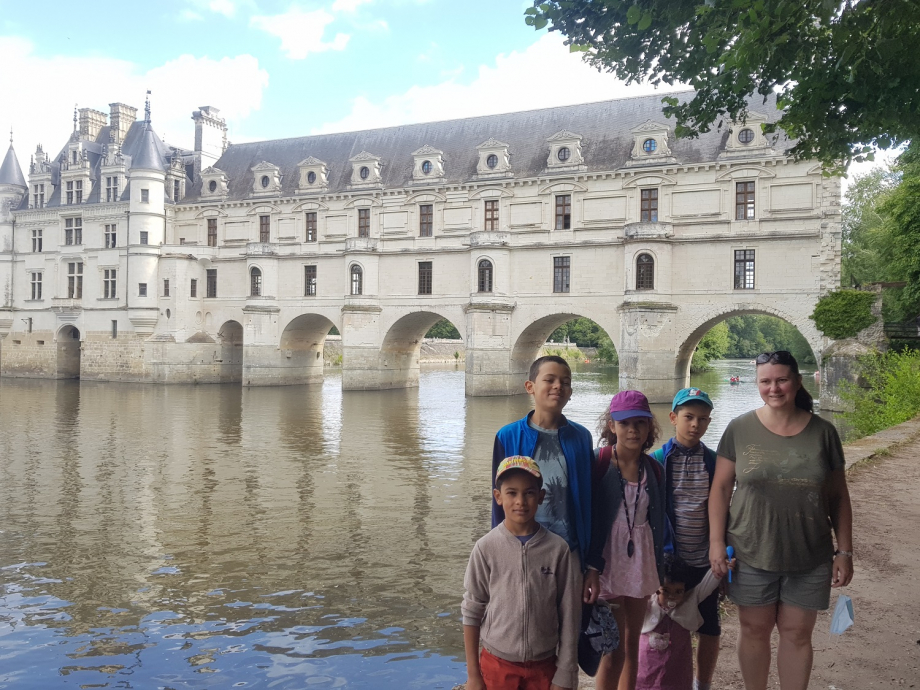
{"x": 902, "y": 207}
{"x": 443, "y": 329}
{"x": 713, "y": 345}
{"x": 846, "y": 72}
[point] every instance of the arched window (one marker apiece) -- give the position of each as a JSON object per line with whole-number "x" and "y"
{"x": 645, "y": 272}
{"x": 485, "y": 276}
{"x": 255, "y": 282}
{"x": 357, "y": 280}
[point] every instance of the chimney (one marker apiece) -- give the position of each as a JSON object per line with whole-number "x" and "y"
{"x": 91, "y": 121}
{"x": 122, "y": 117}
{"x": 210, "y": 136}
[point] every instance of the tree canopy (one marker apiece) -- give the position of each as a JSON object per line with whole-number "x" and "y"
{"x": 846, "y": 72}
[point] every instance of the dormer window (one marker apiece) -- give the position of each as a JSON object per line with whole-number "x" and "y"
{"x": 649, "y": 145}
{"x": 312, "y": 175}
{"x": 429, "y": 163}
{"x": 746, "y": 139}
{"x": 212, "y": 186}
{"x": 746, "y": 135}
{"x": 266, "y": 179}
{"x": 564, "y": 152}
{"x": 214, "y": 182}
{"x": 492, "y": 160}
{"x": 365, "y": 170}
{"x": 426, "y": 167}
{"x": 111, "y": 188}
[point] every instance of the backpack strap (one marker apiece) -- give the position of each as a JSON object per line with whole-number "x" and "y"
{"x": 602, "y": 465}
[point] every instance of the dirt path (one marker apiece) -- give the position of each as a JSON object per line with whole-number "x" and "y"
{"x": 882, "y": 649}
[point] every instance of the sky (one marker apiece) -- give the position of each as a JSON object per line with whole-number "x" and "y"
{"x": 277, "y": 68}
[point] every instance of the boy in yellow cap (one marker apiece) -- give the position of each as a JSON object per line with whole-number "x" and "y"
{"x": 522, "y": 600}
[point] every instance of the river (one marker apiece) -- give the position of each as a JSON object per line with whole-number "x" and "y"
{"x": 218, "y": 537}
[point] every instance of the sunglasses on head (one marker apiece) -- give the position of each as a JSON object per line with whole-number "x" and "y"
{"x": 778, "y": 357}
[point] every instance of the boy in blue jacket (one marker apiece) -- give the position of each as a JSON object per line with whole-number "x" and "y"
{"x": 564, "y": 452}
{"x": 688, "y": 469}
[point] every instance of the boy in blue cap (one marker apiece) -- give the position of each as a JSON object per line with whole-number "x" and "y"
{"x": 688, "y": 467}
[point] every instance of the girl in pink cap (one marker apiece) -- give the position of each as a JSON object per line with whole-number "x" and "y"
{"x": 630, "y": 521}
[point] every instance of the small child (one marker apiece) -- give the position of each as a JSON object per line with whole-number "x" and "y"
{"x": 689, "y": 467}
{"x": 522, "y": 599}
{"x": 631, "y": 524}
{"x": 665, "y": 649}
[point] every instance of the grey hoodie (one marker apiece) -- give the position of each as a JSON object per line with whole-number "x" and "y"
{"x": 525, "y": 599}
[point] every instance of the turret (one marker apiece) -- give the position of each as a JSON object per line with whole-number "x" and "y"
{"x": 12, "y": 188}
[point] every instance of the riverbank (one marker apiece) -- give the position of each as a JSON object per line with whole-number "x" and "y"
{"x": 881, "y": 649}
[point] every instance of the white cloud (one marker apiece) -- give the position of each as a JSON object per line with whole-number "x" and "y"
{"x": 301, "y": 33}
{"x": 40, "y": 107}
{"x": 188, "y": 15}
{"x": 224, "y": 7}
{"x": 546, "y": 74}
{"x": 348, "y": 5}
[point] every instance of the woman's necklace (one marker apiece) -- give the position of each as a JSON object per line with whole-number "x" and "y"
{"x": 630, "y": 524}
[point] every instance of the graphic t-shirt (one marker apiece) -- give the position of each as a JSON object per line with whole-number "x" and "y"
{"x": 555, "y": 512}
{"x": 779, "y": 516}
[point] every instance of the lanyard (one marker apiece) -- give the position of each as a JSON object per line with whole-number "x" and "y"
{"x": 630, "y": 546}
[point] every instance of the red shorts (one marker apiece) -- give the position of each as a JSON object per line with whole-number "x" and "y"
{"x": 499, "y": 674}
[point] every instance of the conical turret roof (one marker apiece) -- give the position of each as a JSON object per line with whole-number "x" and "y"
{"x": 10, "y": 172}
{"x": 149, "y": 154}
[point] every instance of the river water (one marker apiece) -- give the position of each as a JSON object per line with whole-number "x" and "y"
{"x": 218, "y": 537}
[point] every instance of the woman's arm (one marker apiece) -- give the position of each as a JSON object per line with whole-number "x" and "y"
{"x": 720, "y": 495}
{"x": 841, "y": 514}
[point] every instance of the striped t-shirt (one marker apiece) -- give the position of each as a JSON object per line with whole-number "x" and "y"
{"x": 689, "y": 483}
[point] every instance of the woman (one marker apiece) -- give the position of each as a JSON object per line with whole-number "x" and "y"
{"x": 791, "y": 492}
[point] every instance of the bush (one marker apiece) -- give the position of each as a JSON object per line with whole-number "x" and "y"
{"x": 891, "y": 394}
{"x": 566, "y": 354}
{"x": 844, "y": 313}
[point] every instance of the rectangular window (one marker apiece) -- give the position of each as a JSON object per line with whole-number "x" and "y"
{"x": 142, "y": 289}
{"x": 111, "y": 188}
{"x": 69, "y": 193}
{"x": 36, "y": 240}
{"x": 212, "y": 283}
{"x": 212, "y": 232}
{"x": 648, "y": 205}
{"x": 73, "y": 231}
{"x": 744, "y": 200}
{"x": 193, "y": 288}
{"x": 309, "y": 277}
{"x": 563, "y": 212}
{"x": 110, "y": 236}
{"x": 311, "y": 226}
{"x": 38, "y": 196}
{"x": 75, "y": 280}
{"x": 265, "y": 228}
{"x": 144, "y": 237}
{"x": 364, "y": 222}
{"x": 36, "y": 285}
{"x": 491, "y": 214}
{"x": 176, "y": 189}
{"x": 114, "y": 329}
{"x": 166, "y": 287}
{"x": 145, "y": 196}
{"x": 424, "y": 277}
{"x": 108, "y": 283}
{"x": 744, "y": 269}
{"x": 426, "y": 220}
{"x": 561, "y": 267}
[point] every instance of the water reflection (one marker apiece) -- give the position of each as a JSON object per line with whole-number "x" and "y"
{"x": 213, "y": 536}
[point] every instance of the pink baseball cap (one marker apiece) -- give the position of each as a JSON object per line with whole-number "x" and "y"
{"x": 626, "y": 404}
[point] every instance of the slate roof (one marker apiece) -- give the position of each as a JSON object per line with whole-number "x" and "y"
{"x": 606, "y": 144}
{"x": 10, "y": 172}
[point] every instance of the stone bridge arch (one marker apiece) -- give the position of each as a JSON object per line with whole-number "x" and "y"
{"x": 302, "y": 342}
{"x": 380, "y": 349}
{"x": 794, "y": 315}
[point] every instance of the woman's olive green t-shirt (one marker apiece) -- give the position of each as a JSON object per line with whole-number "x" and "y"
{"x": 779, "y": 516}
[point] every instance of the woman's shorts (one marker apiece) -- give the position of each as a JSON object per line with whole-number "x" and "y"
{"x": 809, "y": 590}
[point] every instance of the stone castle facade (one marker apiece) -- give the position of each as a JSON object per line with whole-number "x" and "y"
{"x": 124, "y": 258}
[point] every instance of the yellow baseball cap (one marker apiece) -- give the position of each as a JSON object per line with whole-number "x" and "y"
{"x": 519, "y": 462}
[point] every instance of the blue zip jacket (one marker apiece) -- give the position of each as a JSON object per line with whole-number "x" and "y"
{"x": 518, "y": 438}
{"x": 662, "y": 454}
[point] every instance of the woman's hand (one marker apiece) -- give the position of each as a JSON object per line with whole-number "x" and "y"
{"x": 842, "y": 572}
{"x": 592, "y": 586}
{"x": 718, "y": 558}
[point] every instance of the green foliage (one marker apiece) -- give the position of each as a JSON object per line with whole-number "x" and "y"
{"x": 891, "y": 393}
{"x": 714, "y": 345}
{"x": 902, "y": 207}
{"x": 606, "y": 352}
{"x": 443, "y": 329}
{"x": 751, "y": 334}
{"x": 844, "y": 313}
{"x": 584, "y": 332}
{"x": 334, "y": 331}
{"x": 846, "y": 72}
{"x": 572, "y": 354}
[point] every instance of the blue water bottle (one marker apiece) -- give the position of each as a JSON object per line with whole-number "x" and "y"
{"x": 729, "y": 553}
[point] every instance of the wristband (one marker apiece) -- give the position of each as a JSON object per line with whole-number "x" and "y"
{"x": 848, "y": 554}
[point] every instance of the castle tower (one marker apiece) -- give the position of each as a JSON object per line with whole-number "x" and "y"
{"x": 12, "y": 188}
